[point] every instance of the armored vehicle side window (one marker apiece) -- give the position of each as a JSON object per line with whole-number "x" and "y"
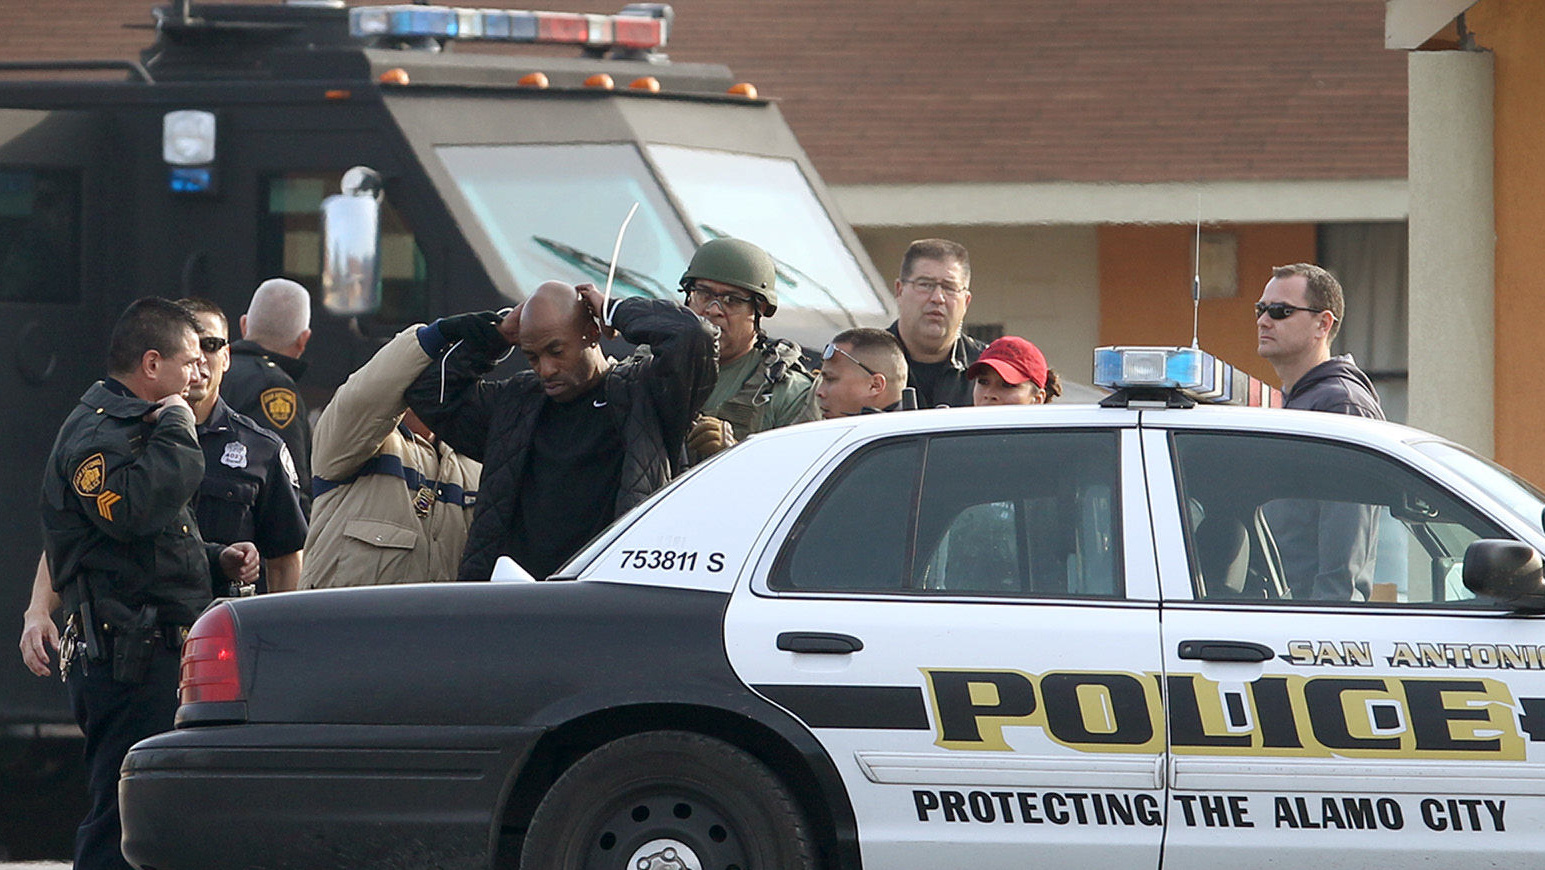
{"x": 39, "y": 235}
{"x": 1306, "y": 520}
{"x": 994, "y": 513}
{"x": 290, "y": 245}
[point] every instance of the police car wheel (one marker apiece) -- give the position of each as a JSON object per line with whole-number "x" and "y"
{"x": 667, "y": 800}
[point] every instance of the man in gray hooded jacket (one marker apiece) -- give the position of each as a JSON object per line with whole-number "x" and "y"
{"x": 1327, "y": 548}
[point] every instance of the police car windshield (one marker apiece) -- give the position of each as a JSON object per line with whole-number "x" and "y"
{"x": 767, "y": 200}
{"x": 552, "y": 213}
{"x": 1518, "y": 494}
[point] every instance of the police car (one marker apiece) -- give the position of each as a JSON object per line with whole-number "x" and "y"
{"x": 993, "y": 638}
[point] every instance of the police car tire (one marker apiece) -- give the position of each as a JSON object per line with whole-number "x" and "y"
{"x": 727, "y": 806}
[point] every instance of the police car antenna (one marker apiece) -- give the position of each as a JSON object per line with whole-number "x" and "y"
{"x": 611, "y": 268}
{"x": 1196, "y": 276}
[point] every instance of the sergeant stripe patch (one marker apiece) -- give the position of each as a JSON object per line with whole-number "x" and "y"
{"x": 105, "y": 503}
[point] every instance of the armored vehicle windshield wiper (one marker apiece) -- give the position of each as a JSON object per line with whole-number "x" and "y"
{"x": 599, "y": 265}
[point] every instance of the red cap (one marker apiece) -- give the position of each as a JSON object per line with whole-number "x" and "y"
{"x": 1014, "y": 359}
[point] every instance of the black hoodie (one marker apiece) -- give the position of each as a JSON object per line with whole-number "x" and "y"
{"x": 1328, "y": 548}
{"x": 1338, "y": 386}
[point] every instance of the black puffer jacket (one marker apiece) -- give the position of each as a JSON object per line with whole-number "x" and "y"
{"x": 655, "y": 394}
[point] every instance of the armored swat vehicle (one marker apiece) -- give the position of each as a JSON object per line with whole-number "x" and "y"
{"x": 202, "y": 169}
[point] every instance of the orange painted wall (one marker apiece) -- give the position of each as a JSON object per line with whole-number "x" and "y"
{"x": 1145, "y": 287}
{"x": 1514, "y": 30}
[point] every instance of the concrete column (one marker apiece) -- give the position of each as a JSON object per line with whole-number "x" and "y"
{"x": 1453, "y": 243}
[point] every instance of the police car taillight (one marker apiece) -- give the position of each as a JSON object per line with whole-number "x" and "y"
{"x": 209, "y": 666}
{"x": 1187, "y": 371}
{"x": 641, "y": 26}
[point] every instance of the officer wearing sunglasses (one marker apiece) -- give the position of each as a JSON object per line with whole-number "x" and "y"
{"x": 863, "y": 370}
{"x": 1328, "y": 548}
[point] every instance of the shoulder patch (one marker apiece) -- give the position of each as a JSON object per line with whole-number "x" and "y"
{"x": 278, "y": 405}
{"x": 87, "y": 479}
{"x": 105, "y": 502}
{"x": 287, "y": 462}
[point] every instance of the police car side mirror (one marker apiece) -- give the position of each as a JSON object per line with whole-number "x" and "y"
{"x": 1508, "y": 571}
{"x": 351, "y": 245}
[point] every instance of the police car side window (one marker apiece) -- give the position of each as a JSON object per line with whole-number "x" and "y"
{"x": 854, "y": 535}
{"x": 1020, "y": 513}
{"x": 1272, "y": 517}
{"x": 996, "y": 513}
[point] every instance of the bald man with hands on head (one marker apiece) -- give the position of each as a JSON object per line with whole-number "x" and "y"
{"x": 578, "y": 439}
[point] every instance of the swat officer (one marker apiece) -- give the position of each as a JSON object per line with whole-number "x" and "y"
{"x": 763, "y": 383}
{"x": 124, "y": 550}
{"x": 265, "y": 365}
{"x": 250, "y": 491}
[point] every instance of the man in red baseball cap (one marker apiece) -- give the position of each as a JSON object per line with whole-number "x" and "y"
{"x": 1012, "y": 371}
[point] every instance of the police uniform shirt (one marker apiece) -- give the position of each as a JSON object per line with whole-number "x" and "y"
{"x": 261, "y": 385}
{"x": 249, "y": 491}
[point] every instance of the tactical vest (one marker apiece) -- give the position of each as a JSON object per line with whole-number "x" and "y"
{"x": 748, "y": 406}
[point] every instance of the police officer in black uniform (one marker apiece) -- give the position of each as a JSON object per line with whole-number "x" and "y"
{"x": 265, "y": 365}
{"x": 250, "y": 491}
{"x": 125, "y": 552}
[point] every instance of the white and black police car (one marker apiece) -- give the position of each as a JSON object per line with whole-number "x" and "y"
{"x": 996, "y": 638}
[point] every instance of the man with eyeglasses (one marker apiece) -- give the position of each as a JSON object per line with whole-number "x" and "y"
{"x": 265, "y": 365}
{"x": 763, "y": 383}
{"x": 1327, "y": 548}
{"x": 863, "y": 370}
{"x": 932, "y": 294}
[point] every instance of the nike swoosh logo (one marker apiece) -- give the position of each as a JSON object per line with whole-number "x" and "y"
{"x": 599, "y": 403}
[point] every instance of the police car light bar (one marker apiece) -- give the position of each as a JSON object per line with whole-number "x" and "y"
{"x": 1193, "y": 373}
{"x": 642, "y": 27}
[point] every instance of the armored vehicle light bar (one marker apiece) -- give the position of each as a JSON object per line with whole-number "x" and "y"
{"x": 641, "y": 26}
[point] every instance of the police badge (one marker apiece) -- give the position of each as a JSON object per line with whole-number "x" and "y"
{"x": 235, "y": 455}
{"x": 423, "y": 500}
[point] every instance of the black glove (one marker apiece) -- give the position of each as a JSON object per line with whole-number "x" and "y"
{"x": 479, "y": 329}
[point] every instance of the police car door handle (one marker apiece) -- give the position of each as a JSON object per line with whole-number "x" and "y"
{"x": 822, "y": 642}
{"x": 1225, "y": 651}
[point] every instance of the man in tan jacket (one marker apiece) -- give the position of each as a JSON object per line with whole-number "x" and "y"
{"x": 392, "y": 504}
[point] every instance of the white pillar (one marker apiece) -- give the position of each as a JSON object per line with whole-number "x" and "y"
{"x": 1453, "y": 244}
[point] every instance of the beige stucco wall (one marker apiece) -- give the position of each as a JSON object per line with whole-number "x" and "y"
{"x": 1453, "y": 240}
{"x": 1040, "y": 282}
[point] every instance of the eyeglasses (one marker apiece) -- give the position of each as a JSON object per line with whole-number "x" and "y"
{"x": 726, "y": 301}
{"x": 929, "y": 285}
{"x": 1282, "y": 310}
{"x": 832, "y": 350}
{"x": 212, "y": 343}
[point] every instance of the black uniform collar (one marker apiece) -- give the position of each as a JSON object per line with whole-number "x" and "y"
{"x": 111, "y": 397}
{"x": 291, "y": 366}
{"x": 960, "y": 351}
{"x": 219, "y": 418}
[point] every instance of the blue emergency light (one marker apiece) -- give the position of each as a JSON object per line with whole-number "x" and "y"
{"x": 1191, "y": 373}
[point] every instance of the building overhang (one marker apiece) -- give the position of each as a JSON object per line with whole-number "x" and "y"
{"x": 1053, "y": 203}
{"x": 1410, "y": 23}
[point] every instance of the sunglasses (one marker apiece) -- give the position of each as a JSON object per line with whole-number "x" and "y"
{"x": 212, "y": 343}
{"x": 1282, "y": 310}
{"x": 832, "y": 350}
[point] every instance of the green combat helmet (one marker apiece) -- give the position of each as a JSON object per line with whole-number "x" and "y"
{"x": 739, "y": 264}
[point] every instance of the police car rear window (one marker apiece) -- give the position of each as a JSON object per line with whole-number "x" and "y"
{"x": 997, "y": 513}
